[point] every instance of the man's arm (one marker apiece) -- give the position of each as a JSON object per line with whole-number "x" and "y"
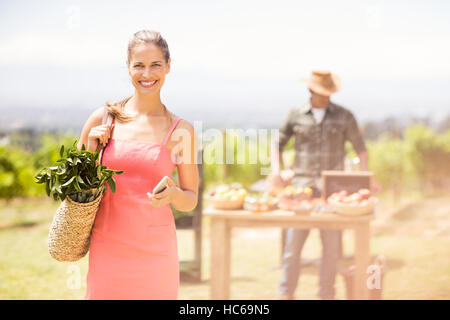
{"x": 353, "y": 135}
{"x": 363, "y": 161}
{"x": 285, "y": 133}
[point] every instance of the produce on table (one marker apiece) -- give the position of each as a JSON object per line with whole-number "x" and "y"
{"x": 361, "y": 198}
{"x": 228, "y": 192}
{"x": 293, "y": 193}
{"x": 357, "y": 203}
{"x": 296, "y": 199}
{"x": 321, "y": 206}
{"x": 227, "y": 196}
{"x": 297, "y": 205}
{"x": 260, "y": 203}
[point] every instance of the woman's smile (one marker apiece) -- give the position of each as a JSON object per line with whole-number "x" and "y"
{"x": 147, "y": 84}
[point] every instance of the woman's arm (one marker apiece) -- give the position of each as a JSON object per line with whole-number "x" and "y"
{"x": 185, "y": 196}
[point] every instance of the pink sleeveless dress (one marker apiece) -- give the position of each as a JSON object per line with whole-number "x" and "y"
{"x": 133, "y": 252}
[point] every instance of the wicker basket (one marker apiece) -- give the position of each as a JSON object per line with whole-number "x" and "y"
{"x": 349, "y": 210}
{"x": 227, "y": 204}
{"x": 69, "y": 234}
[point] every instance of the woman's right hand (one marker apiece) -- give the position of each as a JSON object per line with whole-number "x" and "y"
{"x": 99, "y": 134}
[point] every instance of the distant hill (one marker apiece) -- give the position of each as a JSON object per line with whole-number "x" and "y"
{"x": 54, "y": 119}
{"x": 40, "y": 119}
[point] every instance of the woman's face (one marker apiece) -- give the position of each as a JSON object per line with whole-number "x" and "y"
{"x": 148, "y": 68}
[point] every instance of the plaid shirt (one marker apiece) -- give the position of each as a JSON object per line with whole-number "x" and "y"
{"x": 319, "y": 146}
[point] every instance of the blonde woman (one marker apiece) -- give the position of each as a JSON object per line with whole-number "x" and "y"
{"x": 133, "y": 252}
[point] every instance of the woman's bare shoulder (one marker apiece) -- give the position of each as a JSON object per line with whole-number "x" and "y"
{"x": 184, "y": 124}
{"x": 94, "y": 120}
{"x": 97, "y": 116}
{"x": 182, "y": 129}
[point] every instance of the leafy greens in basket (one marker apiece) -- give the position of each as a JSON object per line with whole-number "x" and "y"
{"x": 77, "y": 175}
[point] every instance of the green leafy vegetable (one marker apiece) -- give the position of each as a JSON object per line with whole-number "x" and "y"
{"x": 77, "y": 175}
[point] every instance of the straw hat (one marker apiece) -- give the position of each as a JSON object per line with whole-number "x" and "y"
{"x": 323, "y": 82}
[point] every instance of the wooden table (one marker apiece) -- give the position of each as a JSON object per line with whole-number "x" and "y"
{"x": 222, "y": 221}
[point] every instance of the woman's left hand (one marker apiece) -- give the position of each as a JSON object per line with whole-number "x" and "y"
{"x": 163, "y": 198}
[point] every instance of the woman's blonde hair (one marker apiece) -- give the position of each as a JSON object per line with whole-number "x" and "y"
{"x": 140, "y": 37}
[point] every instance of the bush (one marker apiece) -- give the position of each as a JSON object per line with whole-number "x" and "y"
{"x": 246, "y": 157}
{"x": 389, "y": 164}
{"x": 421, "y": 158}
{"x": 429, "y": 154}
{"x": 16, "y": 174}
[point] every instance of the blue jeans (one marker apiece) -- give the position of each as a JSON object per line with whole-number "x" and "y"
{"x": 295, "y": 239}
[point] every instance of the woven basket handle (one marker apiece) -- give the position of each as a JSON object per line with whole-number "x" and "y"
{"x": 107, "y": 118}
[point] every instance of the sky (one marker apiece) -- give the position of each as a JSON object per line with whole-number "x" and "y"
{"x": 231, "y": 57}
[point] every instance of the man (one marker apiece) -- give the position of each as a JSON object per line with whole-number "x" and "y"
{"x": 321, "y": 129}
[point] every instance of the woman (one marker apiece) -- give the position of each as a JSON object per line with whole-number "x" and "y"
{"x": 133, "y": 252}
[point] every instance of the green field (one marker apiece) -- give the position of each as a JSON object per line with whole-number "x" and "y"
{"x": 414, "y": 238}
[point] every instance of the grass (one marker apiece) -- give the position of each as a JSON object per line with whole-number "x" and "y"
{"x": 414, "y": 237}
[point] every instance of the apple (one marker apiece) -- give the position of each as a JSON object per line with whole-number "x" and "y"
{"x": 343, "y": 193}
{"x": 227, "y": 196}
{"x": 242, "y": 193}
{"x": 355, "y": 197}
{"x": 347, "y": 200}
{"x": 365, "y": 193}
